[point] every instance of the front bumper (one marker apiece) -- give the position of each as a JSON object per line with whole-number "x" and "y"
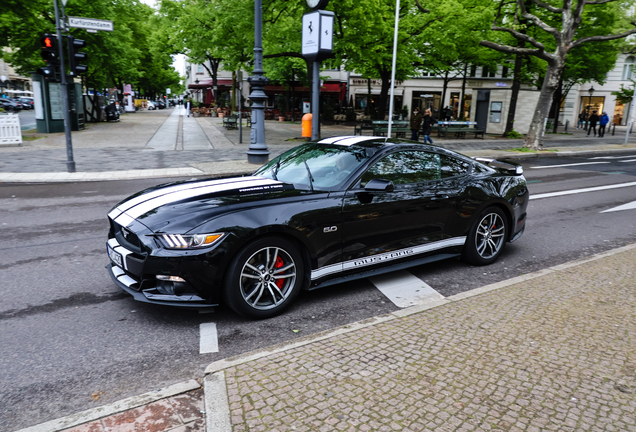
{"x": 128, "y": 271}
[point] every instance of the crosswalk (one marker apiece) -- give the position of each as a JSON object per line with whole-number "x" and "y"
{"x": 179, "y": 132}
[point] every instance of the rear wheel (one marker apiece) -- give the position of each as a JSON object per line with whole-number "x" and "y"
{"x": 264, "y": 278}
{"x": 487, "y": 237}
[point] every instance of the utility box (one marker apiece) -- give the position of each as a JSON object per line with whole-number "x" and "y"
{"x": 49, "y": 105}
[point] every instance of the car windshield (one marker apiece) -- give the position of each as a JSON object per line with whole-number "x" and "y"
{"x": 328, "y": 165}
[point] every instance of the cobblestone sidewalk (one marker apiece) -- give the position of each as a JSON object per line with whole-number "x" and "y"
{"x": 556, "y": 352}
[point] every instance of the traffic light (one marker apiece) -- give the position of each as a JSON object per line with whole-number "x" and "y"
{"x": 75, "y": 57}
{"x": 49, "y": 50}
{"x": 50, "y": 56}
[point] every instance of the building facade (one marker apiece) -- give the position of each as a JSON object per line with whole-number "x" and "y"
{"x": 486, "y": 99}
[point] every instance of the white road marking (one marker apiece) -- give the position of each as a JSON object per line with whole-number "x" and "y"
{"x": 577, "y": 191}
{"x": 628, "y": 206}
{"x": 568, "y": 165}
{"x": 611, "y": 157}
{"x": 209, "y": 341}
{"x": 404, "y": 289}
{"x": 630, "y": 160}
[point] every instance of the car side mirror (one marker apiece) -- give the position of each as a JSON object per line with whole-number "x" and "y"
{"x": 380, "y": 185}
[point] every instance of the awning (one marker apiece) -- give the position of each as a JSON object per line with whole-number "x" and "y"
{"x": 205, "y": 83}
{"x": 325, "y": 88}
{"x": 376, "y": 91}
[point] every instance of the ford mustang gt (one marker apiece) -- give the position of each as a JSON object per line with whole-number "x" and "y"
{"x": 320, "y": 214}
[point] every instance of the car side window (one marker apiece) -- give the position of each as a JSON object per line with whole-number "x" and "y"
{"x": 405, "y": 167}
{"x": 452, "y": 167}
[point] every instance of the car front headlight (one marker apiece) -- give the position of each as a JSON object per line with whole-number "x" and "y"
{"x": 189, "y": 241}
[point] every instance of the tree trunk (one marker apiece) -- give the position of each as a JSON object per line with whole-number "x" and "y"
{"x": 385, "y": 76}
{"x": 516, "y": 86}
{"x": 534, "y": 139}
{"x": 556, "y": 105}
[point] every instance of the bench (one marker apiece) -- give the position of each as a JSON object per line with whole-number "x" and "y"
{"x": 358, "y": 128}
{"x": 400, "y": 132}
{"x": 230, "y": 122}
{"x": 459, "y": 132}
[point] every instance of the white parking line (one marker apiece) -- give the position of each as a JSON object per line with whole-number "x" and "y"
{"x": 630, "y": 160}
{"x": 577, "y": 191}
{"x": 209, "y": 341}
{"x": 404, "y": 289}
{"x": 568, "y": 165}
{"x": 628, "y": 206}
{"x": 611, "y": 157}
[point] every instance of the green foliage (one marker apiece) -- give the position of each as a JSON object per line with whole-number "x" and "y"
{"x": 625, "y": 95}
{"x": 513, "y": 134}
{"x": 135, "y": 53}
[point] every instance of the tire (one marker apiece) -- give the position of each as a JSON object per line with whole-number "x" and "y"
{"x": 487, "y": 237}
{"x": 264, "y": 278}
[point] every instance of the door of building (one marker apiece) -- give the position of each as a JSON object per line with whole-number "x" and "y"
{"x": 481, "y": 110}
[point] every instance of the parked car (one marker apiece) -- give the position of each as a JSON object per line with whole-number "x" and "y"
{"x": 10, "y": 105}
{"x": 160, "y": 104}
{"x": 151, "y": 105}
{"x": 27, "y": 102}
{"x": 321, "y": 213}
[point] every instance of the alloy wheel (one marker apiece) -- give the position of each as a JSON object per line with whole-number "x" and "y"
{"x": 267, "y": 278}
{"x": 489, "y": 238}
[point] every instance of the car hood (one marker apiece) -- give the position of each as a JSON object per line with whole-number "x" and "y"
{"x": 180, "y": 207}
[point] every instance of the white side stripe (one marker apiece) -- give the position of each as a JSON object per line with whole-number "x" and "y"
{"x": 389, "y": 256}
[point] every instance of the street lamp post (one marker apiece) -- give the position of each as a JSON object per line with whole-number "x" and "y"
{"x": 258, "y": 152}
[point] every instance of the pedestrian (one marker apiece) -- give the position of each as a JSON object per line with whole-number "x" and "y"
{"x": 448, "y": 113}
{"x": 188, "y": 107}
{"x": 602, "y": 123}
{"x": 415, "y": 123}
{"x": 582, "y": 118}
{"x": 594, "y": 118}
{"x": 427, "y": 125}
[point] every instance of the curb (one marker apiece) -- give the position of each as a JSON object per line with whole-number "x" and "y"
{"x": 114, "y": 408}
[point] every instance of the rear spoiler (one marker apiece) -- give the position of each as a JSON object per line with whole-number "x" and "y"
{"x": 504, "y": 167}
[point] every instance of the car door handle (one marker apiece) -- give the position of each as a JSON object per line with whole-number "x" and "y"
{"x": 439, "y": 197}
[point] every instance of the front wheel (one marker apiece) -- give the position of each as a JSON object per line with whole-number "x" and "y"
{"x": 264, "y": 278}
{"x": 487, "y": 237}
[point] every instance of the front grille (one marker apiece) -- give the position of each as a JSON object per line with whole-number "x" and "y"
{"x": 129, "y": 236}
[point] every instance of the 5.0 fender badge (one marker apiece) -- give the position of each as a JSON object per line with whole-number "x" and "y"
{"x": 330, "y": 229}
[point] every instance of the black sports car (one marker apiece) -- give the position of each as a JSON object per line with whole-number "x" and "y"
{"x": 321, "y": 213}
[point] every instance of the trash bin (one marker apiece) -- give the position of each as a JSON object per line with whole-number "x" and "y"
{"x": 307, "y": 120}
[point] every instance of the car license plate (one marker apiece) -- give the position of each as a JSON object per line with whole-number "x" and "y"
{"x": 115, "y": 257}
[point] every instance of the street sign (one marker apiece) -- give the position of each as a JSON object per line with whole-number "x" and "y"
{"x": 90, "y": 24}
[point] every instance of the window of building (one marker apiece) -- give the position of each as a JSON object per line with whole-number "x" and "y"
{"x": 628, "y": 68}
{"x": 473, "y": 71}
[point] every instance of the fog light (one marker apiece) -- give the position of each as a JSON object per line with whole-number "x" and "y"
{"x": 170, "y": 278}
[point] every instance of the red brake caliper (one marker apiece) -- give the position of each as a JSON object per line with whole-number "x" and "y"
{"x": 279, "y": 263}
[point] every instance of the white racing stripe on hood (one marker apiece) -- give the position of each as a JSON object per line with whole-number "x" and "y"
{"x": 129, "y": 215}
{"x": 171, "y": 189}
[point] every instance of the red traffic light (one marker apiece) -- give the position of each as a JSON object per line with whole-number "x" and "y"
{"x": 47, "y": 42}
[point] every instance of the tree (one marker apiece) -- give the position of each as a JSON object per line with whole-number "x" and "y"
{"x": 561, "y": 23}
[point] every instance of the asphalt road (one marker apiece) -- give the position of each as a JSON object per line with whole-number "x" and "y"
{"x": 27, "y": 119}
{"x": 70, "y": 340}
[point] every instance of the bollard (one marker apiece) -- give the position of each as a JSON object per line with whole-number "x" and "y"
{"x": 306, "y": 125}
{"x": 613, "y": 129}
{"x": 567, "y": 124}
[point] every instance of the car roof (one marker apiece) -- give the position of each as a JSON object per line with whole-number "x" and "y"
{"x": 375, "y": 141}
